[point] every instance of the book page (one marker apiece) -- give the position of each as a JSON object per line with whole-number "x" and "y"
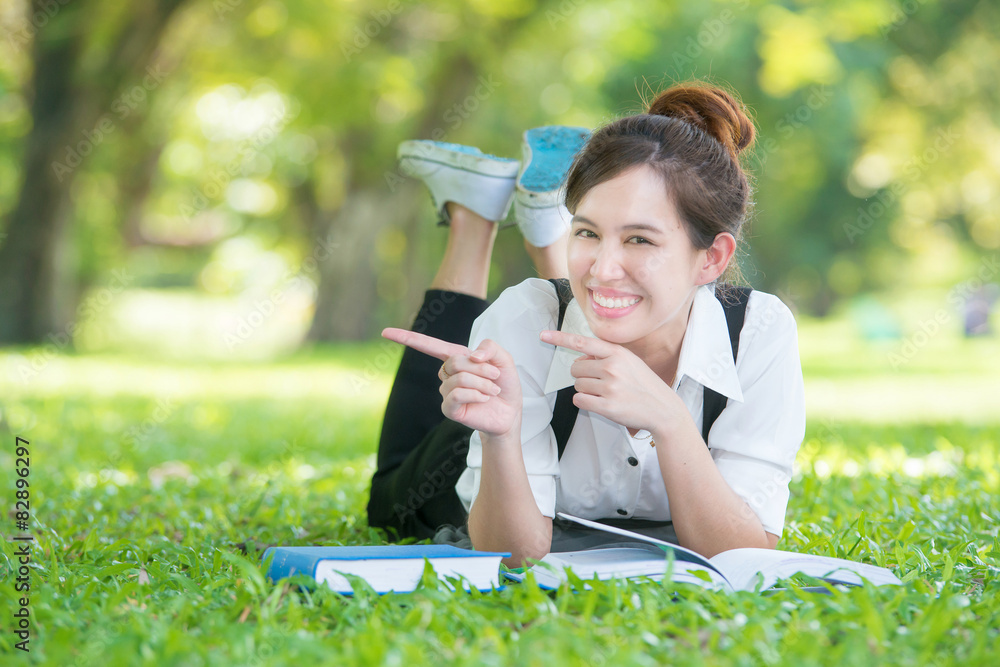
{"x": 680, "y": 553}
{"x": 621, "y": 563}
{"x": 741, "y": 567}
{"x": 398, "y": 575}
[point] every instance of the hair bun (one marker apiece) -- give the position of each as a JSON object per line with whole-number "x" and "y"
{"x": 711, "y": 109}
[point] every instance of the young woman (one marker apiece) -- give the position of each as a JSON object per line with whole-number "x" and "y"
{"x": 657, "y": 201}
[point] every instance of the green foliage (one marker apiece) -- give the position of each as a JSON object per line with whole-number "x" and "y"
{"x": 873, "y": 167}
{"x": 147, "y": 479}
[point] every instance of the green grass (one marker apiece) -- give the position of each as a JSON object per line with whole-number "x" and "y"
{"x": 146, "y": 477}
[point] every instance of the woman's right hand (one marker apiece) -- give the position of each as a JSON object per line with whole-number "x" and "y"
{"x": 481, "y": 387}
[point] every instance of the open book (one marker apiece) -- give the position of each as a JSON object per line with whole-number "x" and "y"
{"x": 733, "y": 570}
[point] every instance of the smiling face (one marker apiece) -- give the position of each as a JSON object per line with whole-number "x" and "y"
{"x": 632, "y": 266}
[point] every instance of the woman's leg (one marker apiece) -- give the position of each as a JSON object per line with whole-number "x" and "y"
{"x": 420, "y": 454}
{"x": 550, "y": 261}
{"x": 457, "y": 296}
{"x": 465, "y": 267}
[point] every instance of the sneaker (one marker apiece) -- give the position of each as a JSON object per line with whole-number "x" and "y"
{"x": 462, "y": 174}
{"x": 538, "y": 204}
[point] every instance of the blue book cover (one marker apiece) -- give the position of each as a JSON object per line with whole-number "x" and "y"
{"x": 388, "y": 567}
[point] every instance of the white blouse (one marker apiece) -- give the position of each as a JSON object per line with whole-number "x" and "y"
{"x": 607, "y": 473}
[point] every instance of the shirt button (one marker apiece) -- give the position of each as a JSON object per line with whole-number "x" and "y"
{"x": 632, "y": 461}
{"x": 623, "y": 512}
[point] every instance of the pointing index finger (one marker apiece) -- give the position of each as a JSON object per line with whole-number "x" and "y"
{"x": 593, "y": 347}
{"x": 435, "y": 347}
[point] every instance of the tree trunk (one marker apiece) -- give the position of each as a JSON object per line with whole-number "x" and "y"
{"x": 37, "y": 279}
{"x": 368, "y": 208}
{"x": 348, "y": 279}
{"x": 33, "y": 298}
{"x": 135, "y": 187}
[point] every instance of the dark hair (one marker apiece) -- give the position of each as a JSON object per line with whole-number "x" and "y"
{"x": 691, "y": 136}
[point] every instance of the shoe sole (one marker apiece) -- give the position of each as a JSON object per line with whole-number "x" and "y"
{"x": 548, "y": 155}
{"x": 429, "y": 153}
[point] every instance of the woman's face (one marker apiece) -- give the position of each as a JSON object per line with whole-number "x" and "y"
{"x": 632, "y": 266}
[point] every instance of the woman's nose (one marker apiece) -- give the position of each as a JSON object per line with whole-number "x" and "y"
{"x": 606, "y": 264}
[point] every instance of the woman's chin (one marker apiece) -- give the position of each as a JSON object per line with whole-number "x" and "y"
{"x": 613, "y": 332}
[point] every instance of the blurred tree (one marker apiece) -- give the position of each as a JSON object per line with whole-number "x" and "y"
{"x": 80, "y": 61}
{"x": 277, "y": 127}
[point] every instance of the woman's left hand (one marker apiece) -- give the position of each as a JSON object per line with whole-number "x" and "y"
{"x": 613, "y": 382}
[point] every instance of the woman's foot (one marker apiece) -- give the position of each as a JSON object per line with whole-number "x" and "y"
{"x": 465, "y": 267}
{"x": 482, "y": 183}
{"x": 538, "y": 203}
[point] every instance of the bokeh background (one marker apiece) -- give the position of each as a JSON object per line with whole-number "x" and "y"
{"x": 217, "y": 179}
{"x": 203, "y": 229}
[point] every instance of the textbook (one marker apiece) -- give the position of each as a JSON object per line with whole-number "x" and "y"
{"x": 386, "y": 568}
{"x": 734, "y": 570}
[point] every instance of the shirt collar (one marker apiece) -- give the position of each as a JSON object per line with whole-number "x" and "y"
{"x": 706, "y": 353}
{"x": 575, "y": 323}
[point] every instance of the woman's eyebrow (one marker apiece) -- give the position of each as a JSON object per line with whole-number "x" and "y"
{"x": 629, "y": 227}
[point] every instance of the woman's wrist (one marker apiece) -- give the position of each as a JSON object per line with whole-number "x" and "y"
{"x": 511, "y": 439}
{"x": 670, "y": 418}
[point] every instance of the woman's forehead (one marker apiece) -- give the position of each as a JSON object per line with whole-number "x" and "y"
{"x": 636, "y": 199}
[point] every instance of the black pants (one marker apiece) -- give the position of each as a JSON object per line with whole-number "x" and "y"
{"x": 420, "y": 453}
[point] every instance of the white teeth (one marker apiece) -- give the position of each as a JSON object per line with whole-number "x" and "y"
{"x": 614, "y": 303}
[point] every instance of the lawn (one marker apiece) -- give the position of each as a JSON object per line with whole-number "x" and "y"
{"x": 146, "y": 477}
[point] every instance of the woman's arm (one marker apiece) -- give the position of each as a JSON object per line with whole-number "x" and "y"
{"x": 724, "y": 497}
{"x": 482, "y": 389}
{"x": 708, "y": 515}
{"x": 505, "y": 516}
{"x": 512, "y": 491}
{"x": 513, "y": 457}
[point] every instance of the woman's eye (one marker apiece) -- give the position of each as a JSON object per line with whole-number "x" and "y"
{"x": 639, "y": 239}
{"x": 586, "y": 234}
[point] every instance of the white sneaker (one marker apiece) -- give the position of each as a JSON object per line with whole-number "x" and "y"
{"x": 462, "y": 174}
{"x": 539, "y": 210}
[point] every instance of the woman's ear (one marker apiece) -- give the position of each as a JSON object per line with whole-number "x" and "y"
{"x": 717, "y": 257}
